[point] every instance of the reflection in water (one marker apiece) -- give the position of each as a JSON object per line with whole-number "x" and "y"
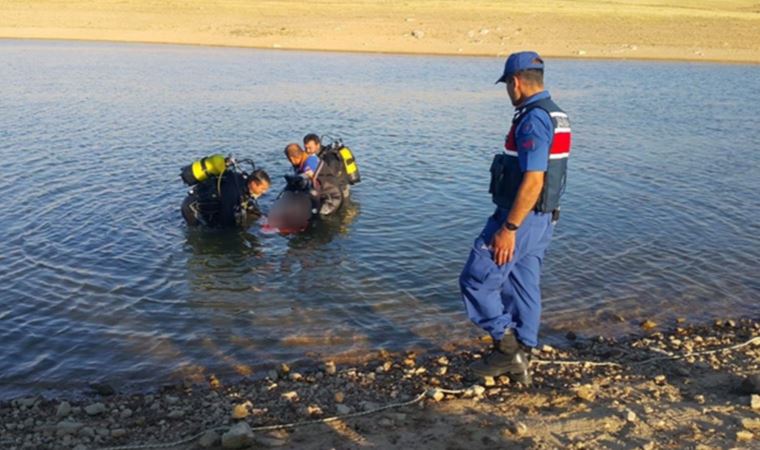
{"x": 221, "y": 259}
{"x": 323, "y": 230}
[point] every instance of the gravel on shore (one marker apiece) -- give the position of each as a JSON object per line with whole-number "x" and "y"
{"x": 652, "y": 391}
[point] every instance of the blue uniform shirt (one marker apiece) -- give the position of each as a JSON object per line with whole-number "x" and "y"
{"x": 533, "y": 136}
{"x": 310, "y": 164}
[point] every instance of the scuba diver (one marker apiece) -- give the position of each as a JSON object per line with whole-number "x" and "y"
{"x": 318, "y": 187}
{"x": 221, "y": 194}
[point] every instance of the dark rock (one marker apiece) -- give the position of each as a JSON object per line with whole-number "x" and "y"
{"x": 102, "y": 389}
{"x": 751, "y": 384}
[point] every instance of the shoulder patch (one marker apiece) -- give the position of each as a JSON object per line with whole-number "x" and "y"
{"x": 526, "y": 127}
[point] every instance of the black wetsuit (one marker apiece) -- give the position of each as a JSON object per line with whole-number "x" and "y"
{"x": 220, "y": 205}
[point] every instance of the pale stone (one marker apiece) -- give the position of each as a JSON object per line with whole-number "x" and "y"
{"x": 95, "y": 409}
{"x": 209, "y": 439}
{"x": 291, "y": 396}
{"x": 64, "y": 409}
{"x": 238, "y": 436}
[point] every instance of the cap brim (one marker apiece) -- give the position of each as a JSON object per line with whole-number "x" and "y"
{"x": 502, "y": 79}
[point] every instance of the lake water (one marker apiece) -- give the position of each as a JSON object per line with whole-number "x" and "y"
{"x": 100, "y": 280}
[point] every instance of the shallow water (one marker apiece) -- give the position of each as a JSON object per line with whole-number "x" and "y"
{"x": 101, "y": 281}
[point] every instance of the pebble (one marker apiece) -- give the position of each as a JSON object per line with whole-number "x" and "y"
{"x": 409, "y": 362}
{"x": 751, "y": 424}
{"x": 385, "y": 422}
{"x": 571, "y": 336}
{"x": 369, "y": 406}
{"x": 213, "y": 382}
{"x": 751, "y": 384}
{"x": 489, "y": 381}
{"x": 27, "y": 402}
{"x": 241, "y": 410}
{"x": 478, "y": 390}
{"x": 67, "y": 427}
{"x": 209, "y": 439}
{"x": 586, "y": 393}
{"x": 339, "y": 397}
{"x": 744, "y": 436}
{"x": 238, "y": 436}
{"x": 95, "y": 409}
{"x": 648, "y": 325}
{"x": 102, "y": 389}
{"x": 126, "y": 414}
{"x": 547, "y": 349}
{"x": 437, "y": 395}
{"x": 176, "y": 414}
{"x": 118, "y": 432}
{"x": 630, "y": 416}
{"x": 754, "y": 402}
{"x": 80, "y": 447}
{"x": 330, "y": 368}
{"x": 443, "y": 361}
{"x": 295, "y": 376}
{"x": 418, "y": 34}
{"x": 171, "y": 400}
{"x": 64, "y": 409}
{"x": 517, "y": 428}
{"x": 342, "y": 409}
{"x": 273, "y": 375}
{"x": 291, "y": 396}
{"x": 314, "y": 410}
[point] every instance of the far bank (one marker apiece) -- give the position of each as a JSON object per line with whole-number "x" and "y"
{"x": 701, "y": 30}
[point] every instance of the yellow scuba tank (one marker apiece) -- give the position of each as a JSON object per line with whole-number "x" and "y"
{"x": 349, "y": 162}
{"x": 200, "y": 170}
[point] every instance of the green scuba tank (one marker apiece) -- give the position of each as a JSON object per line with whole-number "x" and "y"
{"x": 200, "y": 170}
{"x": 349, "y": 163}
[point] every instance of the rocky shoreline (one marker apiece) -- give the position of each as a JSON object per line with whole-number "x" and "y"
{"x": 690, "y": 387}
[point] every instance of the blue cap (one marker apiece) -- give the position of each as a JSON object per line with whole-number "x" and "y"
{"x": 517, "y": 62}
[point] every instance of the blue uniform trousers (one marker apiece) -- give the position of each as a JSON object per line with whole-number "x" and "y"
{"x": 508, "y": 296}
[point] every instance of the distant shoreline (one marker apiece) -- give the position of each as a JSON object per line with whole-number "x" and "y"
{"x": 382, "y": 52}
{"x": 674, "y": 30}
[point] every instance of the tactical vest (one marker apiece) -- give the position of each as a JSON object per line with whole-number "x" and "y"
{"x": 506, "y": 175}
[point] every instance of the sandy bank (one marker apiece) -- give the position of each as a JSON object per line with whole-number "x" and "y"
{"x": 689, "y": 388}
{"x": 714, "y": 30}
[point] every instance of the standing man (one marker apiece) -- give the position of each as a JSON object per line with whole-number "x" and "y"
{"x": 500, "y": 281}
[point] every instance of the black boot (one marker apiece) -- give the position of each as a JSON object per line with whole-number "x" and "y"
{"x": 508, "y": 357}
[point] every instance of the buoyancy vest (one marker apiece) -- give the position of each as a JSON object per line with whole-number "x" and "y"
{"x": 506, "y": 175}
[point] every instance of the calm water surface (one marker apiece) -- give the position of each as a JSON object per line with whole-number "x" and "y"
{"x": 101, "y": 281}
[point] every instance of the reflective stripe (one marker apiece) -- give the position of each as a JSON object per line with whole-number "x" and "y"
{"x": 559, "y": 156}
{"x": 510, "y": 152}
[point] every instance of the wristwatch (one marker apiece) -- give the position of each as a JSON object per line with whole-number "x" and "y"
{"x": 510, "y": 226}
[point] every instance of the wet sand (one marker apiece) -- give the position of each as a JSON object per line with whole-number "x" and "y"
{"x": 689, "y": 387}
{"x": 697, "y": 30}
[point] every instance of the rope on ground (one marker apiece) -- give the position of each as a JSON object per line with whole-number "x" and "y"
{"x": 411, "y": 402}
{"x": 419, "y": 398}
{"x": 646, "y": 361}
{"x": 700, "y": 353}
